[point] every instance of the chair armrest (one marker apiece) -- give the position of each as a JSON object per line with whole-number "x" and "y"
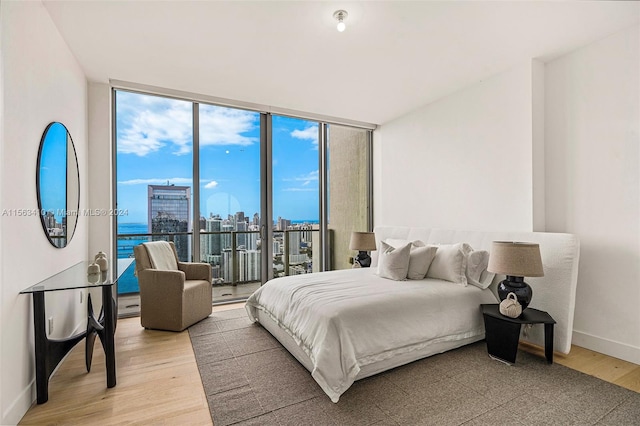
{"x": 162, "y": 281}
{"x": 196, "y": 270}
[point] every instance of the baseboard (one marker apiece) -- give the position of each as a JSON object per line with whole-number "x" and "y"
{"x": 18, "y": 408}
{"x": 608, "y": 347}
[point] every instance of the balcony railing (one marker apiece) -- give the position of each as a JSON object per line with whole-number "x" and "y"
{"x": 299, "y": 258}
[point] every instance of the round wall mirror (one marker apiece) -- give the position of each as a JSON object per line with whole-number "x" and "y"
{"x": 58, "y": 184}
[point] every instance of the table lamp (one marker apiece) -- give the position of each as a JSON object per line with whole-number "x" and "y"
{"x": 516, "y": 260}
{"x": 363, "y": 242}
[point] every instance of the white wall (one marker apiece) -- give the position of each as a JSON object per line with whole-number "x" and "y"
{"x": 593, "y": 184}
{"x": 100, "y": 168}
{"x": 464, "y": 161}
{"x": 550, "y": 147}
{"x": 42, "y": 82}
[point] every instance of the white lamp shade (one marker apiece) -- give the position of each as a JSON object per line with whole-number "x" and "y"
{"x": 516, "y": 259}
{"x": 362, "y": 241}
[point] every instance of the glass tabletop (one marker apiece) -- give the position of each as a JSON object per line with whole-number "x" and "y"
{"x": 77, "y": 277}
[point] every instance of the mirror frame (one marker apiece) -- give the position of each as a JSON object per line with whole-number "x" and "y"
{"x": 71, "y": 165}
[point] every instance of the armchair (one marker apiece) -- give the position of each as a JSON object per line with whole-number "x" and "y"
{"x": 173, "y": 295}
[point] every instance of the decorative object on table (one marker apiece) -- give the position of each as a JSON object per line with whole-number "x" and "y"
{"x": 510, "y": 307}
{"x": 516, "y": 260}
{"x": 93, "y": 273}
{"x": 93, "y": 269}
{"x": 101, "y": 260}
{"x": 363, "y": 242}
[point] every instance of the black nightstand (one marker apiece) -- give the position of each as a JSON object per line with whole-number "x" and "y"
{"x": 503, "y": 333}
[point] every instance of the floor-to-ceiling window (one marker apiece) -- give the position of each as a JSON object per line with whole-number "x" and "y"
{"x": 230, "y": 189}
{"x": 295, "y": 195}
{"x": 154, "y": 179}
{"x": 256, "y": 210}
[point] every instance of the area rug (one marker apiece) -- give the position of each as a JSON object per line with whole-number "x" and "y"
{"x": 250, "y": 379}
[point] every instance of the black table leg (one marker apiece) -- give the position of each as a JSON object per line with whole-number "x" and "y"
{"x": 49, "y": 352}
{"x": 548, "y": 342}
{"x": 502, "y": 338}
{"x": 94, "y": 327}
{"x": 108, "y": 335}
{"x": 42, "y": 377}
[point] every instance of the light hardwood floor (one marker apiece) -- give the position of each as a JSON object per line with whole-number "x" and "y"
{"x": 159, "y": 383}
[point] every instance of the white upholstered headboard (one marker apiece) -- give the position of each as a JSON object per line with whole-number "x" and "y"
{"x": 554, "y": 293}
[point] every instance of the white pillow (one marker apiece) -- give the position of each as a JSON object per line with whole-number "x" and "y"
{"x": 393, "y": 263}
{"x": 450, "y": 263}
{"x": 397, "y": 242}
{"x": 420, "y": 258}
{"x": 477, "y": 274}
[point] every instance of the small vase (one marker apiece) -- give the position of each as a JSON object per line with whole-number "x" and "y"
{"x": 93, "y": 269}
{"x": 103, "y": 263}
{"x": 101, "y": 260}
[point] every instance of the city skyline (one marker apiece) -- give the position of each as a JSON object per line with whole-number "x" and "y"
{"x": 154, "y": 147}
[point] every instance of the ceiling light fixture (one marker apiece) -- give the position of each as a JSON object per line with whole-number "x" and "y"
{"x": 340, "y": 16}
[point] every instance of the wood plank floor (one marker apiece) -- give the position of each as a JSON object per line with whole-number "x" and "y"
{"x": 159, "y": 383}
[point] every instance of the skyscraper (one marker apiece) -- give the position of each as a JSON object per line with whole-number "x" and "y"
{"x": 169, "y": 211}
{"x": 283, "y": 224}
{"x": 211, "y": 242}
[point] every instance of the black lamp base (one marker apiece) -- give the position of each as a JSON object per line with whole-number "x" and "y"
{"x": 516, "y": 285}
{"x": 363, "y": 259}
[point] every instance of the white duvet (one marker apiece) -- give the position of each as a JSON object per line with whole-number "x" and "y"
{"x": 346, "y": 319}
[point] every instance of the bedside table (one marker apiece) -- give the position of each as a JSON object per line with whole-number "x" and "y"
{"x": 503, "y": 333}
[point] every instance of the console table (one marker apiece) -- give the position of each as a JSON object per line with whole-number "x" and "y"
{"x": 49, "y": 352}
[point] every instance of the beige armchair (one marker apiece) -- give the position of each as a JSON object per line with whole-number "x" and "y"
{"x": 173, "y": 295}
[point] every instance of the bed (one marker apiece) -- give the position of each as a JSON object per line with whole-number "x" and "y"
{"x": 350, "y": 324}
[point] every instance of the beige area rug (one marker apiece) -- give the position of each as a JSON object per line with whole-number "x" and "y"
{"x": 250, "y": 379}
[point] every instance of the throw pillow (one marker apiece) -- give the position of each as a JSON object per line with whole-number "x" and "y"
{"x": 450, "y": 263}
{"x": 477, "y": 274}
{"x": 393, "y": 263}
{"x": 420, "y": 258}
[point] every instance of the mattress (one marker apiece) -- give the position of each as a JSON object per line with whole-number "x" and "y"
{"x": 344, "y": 325}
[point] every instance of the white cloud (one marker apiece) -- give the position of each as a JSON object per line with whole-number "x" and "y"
{"x": 305, "y": 179}
{"x": 156, "y": 181}
{"x": 304, "y": 182}
{"x": 211, "y": 184}
{"x": 310, "y": 134}
{"x": 226, "y": 126}
{"x": 300, "y": 189}
{"x": 148, "y": 123}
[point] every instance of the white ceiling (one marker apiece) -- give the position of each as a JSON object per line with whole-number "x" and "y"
{"x": 393, "y": 57}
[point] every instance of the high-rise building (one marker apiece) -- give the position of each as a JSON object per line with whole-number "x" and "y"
{"x": 211, "y": 243}
{"x": 249, "y": 265}
{"x": 239, "y": 218}
{"x": 252, "y": 238}
{"x": 225, "y": 240}
{"x": 241, "y": 236}
{"x": 169, "y": 211}
{"x": 226, "y": 265}
{"x": 283, "y": 224}
{"x": 294, "y": 240}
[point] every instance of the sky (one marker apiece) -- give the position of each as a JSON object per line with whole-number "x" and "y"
{"x": 53, "y": 171}
{"x": 154, "y": 146}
